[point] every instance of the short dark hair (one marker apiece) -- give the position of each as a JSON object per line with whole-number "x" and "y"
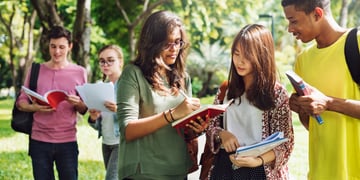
{"x": 59, "y": 32}
{"x": 307, "y": 5}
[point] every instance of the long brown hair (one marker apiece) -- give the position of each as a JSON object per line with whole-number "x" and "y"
{"x": 256, "y": 45}
{"x": 153, "y": 38}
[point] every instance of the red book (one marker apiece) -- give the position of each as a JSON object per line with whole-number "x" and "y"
{"x": 51, "y": 98}
{"x": 211, "y": 110}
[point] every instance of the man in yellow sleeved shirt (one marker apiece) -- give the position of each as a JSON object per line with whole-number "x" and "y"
{"x": 334, "y": 146}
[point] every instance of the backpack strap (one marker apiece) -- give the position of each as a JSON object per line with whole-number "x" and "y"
{"x": 35, "y": 67}
{"x": 352, "y": 55}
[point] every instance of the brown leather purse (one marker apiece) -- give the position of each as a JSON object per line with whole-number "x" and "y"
{"x": 208, "y": 157}
{"x": 192, "y": 146}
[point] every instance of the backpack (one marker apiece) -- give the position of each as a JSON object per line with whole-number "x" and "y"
{"x": 22, "y": 121}
{"x": 352, "y": 55}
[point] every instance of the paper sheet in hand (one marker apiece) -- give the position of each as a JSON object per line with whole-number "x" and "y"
{"x": 94, "y": 95}
{"x": 264, "y": 146}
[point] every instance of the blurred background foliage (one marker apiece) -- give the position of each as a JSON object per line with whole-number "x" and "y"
{"x": 210, "y": 24}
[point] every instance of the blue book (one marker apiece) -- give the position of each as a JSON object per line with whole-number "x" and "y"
{"x": 263, "y": 146}
{"x": 300, "y": 87}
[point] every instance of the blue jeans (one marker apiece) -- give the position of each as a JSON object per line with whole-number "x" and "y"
{"x": 43, "y": 156}
{"x": 111, "y": 161}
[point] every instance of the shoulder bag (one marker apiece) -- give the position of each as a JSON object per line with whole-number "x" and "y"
{"x": 22, "y": 121}
{"x": 352, "y": 55}
{"x": 208, "y": 157}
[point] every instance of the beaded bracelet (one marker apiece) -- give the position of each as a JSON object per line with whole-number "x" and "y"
{"x": 166, "y": 117}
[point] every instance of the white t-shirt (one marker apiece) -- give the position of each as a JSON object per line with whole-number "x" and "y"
{"x": 244, "y": 121}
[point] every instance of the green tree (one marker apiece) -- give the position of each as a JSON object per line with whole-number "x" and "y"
{"x": 18, "y": 38}
{"x": 205, "y": 62}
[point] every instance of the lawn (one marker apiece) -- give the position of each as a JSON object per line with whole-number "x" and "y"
{"x": 15, "y": 164}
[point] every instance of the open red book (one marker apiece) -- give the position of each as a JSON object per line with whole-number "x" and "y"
{"x": 212, "y": 110}
{"x": 51, "y": 98}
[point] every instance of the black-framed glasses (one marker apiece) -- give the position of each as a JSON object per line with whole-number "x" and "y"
{"x": 177, "y": 44}
{"x": 108, "y": 63}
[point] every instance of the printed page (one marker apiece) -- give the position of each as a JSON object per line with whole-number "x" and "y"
{"x": 95, "y": 95}
{"x": 34, "y": 96}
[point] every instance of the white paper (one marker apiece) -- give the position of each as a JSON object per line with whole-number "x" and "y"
{"x": 95, "y": 95}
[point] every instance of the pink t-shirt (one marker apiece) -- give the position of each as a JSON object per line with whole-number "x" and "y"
{"x": 58, "y": 126}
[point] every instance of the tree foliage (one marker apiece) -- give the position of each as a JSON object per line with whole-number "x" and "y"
{"x": 211, "y": 26}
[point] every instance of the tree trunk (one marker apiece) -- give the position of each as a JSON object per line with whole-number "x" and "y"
{"x": 147, "y": 9}
{"x": 46, "y": 10}
{"x": 81, "y": 34}
{"x": 29, "y": 58}
{"x": 344, "y": 13}
{"x": 205, "y": 85}
{"x": 12, "y": 44}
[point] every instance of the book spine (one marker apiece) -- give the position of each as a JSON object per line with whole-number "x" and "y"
{"x": 303, "y": 88}
{"x": 306, "y": 92}
{"x": 319, "y": 119}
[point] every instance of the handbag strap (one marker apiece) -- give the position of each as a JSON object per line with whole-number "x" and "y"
{"x": 352, "y": 55}
{"x": 223, "y": 88}
{"x": 35, "y": 67}
{"x": 221, "y": 97}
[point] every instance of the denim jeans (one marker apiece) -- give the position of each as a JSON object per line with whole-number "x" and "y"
{"x": 110, "y": 155}
{"x": 43, "y": 156}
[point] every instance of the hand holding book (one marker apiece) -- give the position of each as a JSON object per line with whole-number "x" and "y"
{"x": 51, "y": 98}
{"x": 301, "y": 88}
{"x": 257, "y": 149}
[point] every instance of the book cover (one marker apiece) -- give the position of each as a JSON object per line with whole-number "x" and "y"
{"x": 265, "y": 145}
{"x": 300, "y": 87}
{"x": 211, "y": 109}
{"x": 51, "y": 98}
{"x": 89, "y": 93}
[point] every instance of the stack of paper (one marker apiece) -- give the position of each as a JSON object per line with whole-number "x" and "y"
{"x": 95, "y": 95}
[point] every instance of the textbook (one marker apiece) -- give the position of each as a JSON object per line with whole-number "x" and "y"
{"x": 51, "y": 98}
{"x": 300, "y": 87}
{"x": 94, "y": 95}
{"x": 211, "y": 109}
{"x": 262, "y": 147}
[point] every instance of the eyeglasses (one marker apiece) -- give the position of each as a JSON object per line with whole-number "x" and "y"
{"x": 108, "y": 63}
{"x": 177, "y": 44}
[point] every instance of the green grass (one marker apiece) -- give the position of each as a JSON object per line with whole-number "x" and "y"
{"x": 15, "y": 164}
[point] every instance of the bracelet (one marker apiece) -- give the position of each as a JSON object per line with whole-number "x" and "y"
{"x": 217, "y": 136}
{"x": 172, "y": 118}
{"x": 166, "y": 117}
{"x": 262, "y": 160}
